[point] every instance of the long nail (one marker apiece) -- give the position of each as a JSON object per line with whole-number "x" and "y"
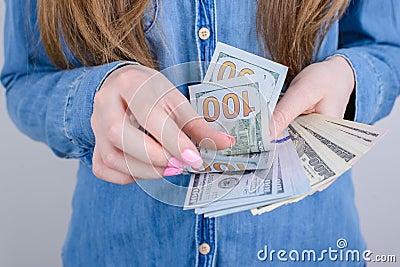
{"x": 192, "y": 158}
{"x": 175, "y": 163}
{"x": 172, "y": 171}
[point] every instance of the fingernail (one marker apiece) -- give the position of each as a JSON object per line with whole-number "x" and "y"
{"x": 172, "y": 171}
{"x": 175, "y": 163}
{"x": 230, "y": 137}
{"x": 192, "y": 158}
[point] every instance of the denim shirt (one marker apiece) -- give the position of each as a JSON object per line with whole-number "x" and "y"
{"x": 114, "y": 225}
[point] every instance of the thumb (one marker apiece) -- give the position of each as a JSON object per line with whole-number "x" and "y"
{"x": 293, "y": 103}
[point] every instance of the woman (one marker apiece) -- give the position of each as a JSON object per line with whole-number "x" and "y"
{"x": 70, "y": 83}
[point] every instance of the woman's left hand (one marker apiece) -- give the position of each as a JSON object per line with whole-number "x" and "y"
{"x": 323, "y": 87}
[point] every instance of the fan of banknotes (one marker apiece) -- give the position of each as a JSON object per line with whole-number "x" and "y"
{"x": 238, "y": 95}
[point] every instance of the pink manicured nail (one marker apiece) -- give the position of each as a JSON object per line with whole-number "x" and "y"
{"x": 192, "y": 158}
{"x": 231, "y": 138}
{"x": 175, "y": 163}
{"x": 172, "y": 171}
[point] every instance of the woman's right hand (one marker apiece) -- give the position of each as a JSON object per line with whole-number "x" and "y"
{"x": 136, "y": 95}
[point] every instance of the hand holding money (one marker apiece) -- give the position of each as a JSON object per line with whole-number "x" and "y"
{"x": 323, "y": 88}
{"x": 122, "y": 150}
{"x": 261, "y": 175}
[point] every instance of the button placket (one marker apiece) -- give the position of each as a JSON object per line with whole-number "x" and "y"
{"x": 205, "y": 29}
{"x": 206, "y": 241}
{"x": 205, "y": 40}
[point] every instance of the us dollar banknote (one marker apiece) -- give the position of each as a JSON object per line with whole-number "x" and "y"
{"x": 214, "y": 194}
{"x": 238, "y": 95}
{"x": 363, "y": 135}
{"x": 343, "y": 149}
{"x": 331, "y": 151}
{"x": 237, "y": 107}
{"x": 318, "y": 162}
{"x": 214, "y": 162}
{"x": 282, "y": 171}
{"x": 230, "y": 62}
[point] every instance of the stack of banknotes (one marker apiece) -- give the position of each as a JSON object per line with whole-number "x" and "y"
{"x": 238, "y": 95}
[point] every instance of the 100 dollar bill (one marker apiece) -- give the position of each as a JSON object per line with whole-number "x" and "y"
{"x": 229, "y": 62}
{"x": 255, "y": 188}
{"x": 237, "y": 107}
{"x": 214, "y": 162}
{"x": 319, "y": 163}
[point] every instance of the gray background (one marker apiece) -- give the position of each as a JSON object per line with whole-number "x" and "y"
{"x": 36, "y": 190}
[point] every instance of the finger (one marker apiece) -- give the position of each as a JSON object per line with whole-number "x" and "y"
{"x": 115, "y": 159}
{"x": 164, "y": 129}
{"x": 122, "y": 134}
{"x": 101, "y": 171}
{"x": 120, "y": 161}
{"x": 295, "y": 101}
{"x": 141, "y": 169}
{"x": 138, "y": 145}
{"x": 195, "y": 126}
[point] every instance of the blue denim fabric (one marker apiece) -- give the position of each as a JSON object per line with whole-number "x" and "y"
{"x": 114, "y": 225}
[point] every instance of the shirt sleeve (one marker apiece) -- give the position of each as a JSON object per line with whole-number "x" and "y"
{"x": 370, "y": 41}
{"x": 48, "y": 104}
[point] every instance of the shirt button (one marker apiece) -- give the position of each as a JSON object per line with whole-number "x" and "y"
{"x": 204, "y": 33}
{"x": 204, "y": 249}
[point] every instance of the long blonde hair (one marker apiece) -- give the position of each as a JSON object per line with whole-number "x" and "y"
{"x": 102, "y": 31}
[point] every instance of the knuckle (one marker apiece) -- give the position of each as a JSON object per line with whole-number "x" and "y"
{"x": 114, "y": 133}
{"x": 133, "y": 77}
{"x": 111, "y": 160}
{"x": 141, "y": 76}
{"x": 100, "y": 99}
{"x": 98, "y": 169}
{"x": 125, "y": 76}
